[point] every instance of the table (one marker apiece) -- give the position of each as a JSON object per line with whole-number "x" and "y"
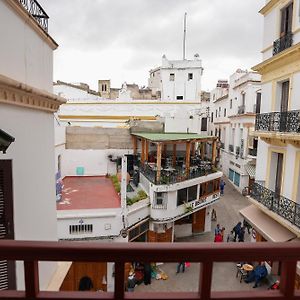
{"x": 247, "y": 267}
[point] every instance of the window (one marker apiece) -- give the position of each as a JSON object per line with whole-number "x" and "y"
{"x": 212, "y": 117}
{"x": 216, "y": 113}
{"x": 138, "y": 230}
{"x": 104, "y": 88}
{"x": 181, "y": 196}
{"x": 204, "y": 124}
{"x": 192, "y": 193}
{"x": 243, "y": 98}
{"x": 190, "y": 76}
{"x": 80, "y": 229}
{"x": 159, "y": 198}
{"x": 286, "y": 20}
{"x": 230, "y": 103}
{"x": 179, "y": 97}
{"x": 219, "y": 111}
{"x": 172, "y": 77}
{"x": 224, "y": 112}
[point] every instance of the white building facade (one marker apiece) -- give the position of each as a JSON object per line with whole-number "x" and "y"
{"x": 232, "y": 116}
{"x": 26, "y": 114}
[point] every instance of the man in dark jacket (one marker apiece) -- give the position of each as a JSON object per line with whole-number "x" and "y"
{"x": 236, "y": 229}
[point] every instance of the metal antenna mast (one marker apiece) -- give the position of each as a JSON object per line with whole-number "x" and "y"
{"x": 184, "y": 35}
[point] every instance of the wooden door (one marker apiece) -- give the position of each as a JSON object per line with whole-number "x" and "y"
{"x": 7, "y": 268}
{"x": 198, "y": 224}
{"x": 285, "y": 96}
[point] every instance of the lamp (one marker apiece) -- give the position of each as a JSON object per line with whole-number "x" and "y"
{"x": 5, "y": 141}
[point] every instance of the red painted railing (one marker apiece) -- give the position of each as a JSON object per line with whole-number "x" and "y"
{"x": 205, "y": 253}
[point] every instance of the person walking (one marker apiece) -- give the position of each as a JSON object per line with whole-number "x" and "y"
{"x": 131, "y": 282}
{"x": 222, "y": 186}
{"x": 179, "y": 265}
{"x": 236, "y": 229}
{"x": 147, "y": 273}
{"x": 230, "y": 237}
{"x": 241, "y": 235}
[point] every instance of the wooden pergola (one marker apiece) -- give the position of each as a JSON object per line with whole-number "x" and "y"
{"x": 162, "y": 140}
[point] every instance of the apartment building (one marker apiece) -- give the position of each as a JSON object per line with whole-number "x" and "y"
{"x": 232, "y": 119}
{"x": 27, "y": 104}
{"x": 275, "y": 195}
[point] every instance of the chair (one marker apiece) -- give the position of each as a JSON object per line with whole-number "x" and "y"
{"x": 240, "y": 271}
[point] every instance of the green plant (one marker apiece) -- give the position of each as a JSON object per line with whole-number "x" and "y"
{"x": 142, "y": 194}
{"x": 116, "y": 183}
{"x": 187, "y": 207}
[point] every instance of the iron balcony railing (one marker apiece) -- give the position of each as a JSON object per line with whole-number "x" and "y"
{"x": 36, "y": 11}
{"x": 231, "y": 148}
{"x": 282, "y": 206}
{"x": 178, "y": 175}
{"x": 279, "y": 121}
{"x": 31, "y": 253}
{"x": 283, "y": 43}
{"x": 241, "y": 109}
{"x": 237, "y": 150}
{"x": 252, "y": 152}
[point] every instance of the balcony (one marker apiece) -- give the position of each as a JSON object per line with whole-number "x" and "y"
{"x": 279, "y": 121}
{"x": 222, "y": 145}
{"x": 119, "y": 253}
{"x": 37, "y": 12}
{"x": 170, "y": 175}
{"x": 252, "y": 152}
{"x": 283, "y": 43}
{"x": 283, "y": 207}
{"x": 237, "y": 150}
{"x": 241, "y": 109}
{"x": 231, "y": 148}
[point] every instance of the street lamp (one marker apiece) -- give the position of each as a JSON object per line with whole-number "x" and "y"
{"x": 5, "y": 141}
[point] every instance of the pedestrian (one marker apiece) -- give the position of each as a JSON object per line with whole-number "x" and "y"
{"x": 131, "y": 282}
{"x": 222, "y": 186}
{"x": 222, "y": 233}
{"x": 217, "y": 230}
{"x": 236, "y": 229}
{"x": 147, "y": 273}
{"x": 241, "y": 235}
{"x": 214, "y": 215}
{"x": 230, "y": 237}
{"x": 247, "y": 225}
{"x": 179, "y": 265}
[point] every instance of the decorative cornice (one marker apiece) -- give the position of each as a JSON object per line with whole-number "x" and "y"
{"x": 266, "y": 9}
{"x": 27, "y": 17}
{"x": 289, "y": 54}
{"x": 248, "y": 114}
{"x": 16, "y": 93}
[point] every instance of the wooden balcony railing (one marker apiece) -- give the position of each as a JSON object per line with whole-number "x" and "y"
{"x": 205, "y": 253}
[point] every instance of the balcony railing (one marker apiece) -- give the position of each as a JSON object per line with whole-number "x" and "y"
{"x": 252, "y": 152}
{"x": 237, "y": 150}
{"x": 31, "y": 253}
{"x": 241, "y": 109}
{"x": 283, "y": 43}
{"x": 231, "y": 148}
{"x": 280, "y": 205}
{"x": 177, "y": 175}
{"x": 279, "y": 121}
{"x": 37, "y": 12}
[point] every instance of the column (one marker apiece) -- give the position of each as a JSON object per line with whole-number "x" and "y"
{"x": 158, "y": 161}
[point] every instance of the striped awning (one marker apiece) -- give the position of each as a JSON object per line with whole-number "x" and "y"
{"x": 250, "y": 169}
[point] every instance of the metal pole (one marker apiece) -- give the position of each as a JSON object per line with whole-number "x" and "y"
{"x": 184, "y": 35}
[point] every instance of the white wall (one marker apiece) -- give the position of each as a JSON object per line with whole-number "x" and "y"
{"x": 95, "y": 162}
{"x": 74, "y": 94}
{"x": 25, "y": 56}
{"x": 33, "y": 177}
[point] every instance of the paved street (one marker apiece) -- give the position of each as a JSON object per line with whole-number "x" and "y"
{"x": 224, "y": 274}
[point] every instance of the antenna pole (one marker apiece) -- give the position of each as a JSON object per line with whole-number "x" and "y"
{"x": 184, "y": 35}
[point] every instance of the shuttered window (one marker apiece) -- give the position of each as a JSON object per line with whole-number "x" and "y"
{"x": 7, "y": 268}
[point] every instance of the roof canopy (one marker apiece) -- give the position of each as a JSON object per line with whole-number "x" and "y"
{"x": 168, "y": 137}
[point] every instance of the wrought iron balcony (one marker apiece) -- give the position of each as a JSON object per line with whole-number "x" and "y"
{"x": 241, "y": 109}
{"x": 252, "y": 152}
{"x": 282, "y": 206}
{"x": 31, "y": 253}
{"x": 279, "y": 121}
{"x": 283, "y": 43}
{"x": 37, "y": 12}
{"x": 231, "y": 148}
{"x": 237, "y": 150}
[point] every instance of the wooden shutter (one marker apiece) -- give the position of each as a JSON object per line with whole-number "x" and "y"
{"x": 7, "y": 268}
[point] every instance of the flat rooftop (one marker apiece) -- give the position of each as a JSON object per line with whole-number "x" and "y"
{"x": 88, "y": 192}
{"x": 165, "y": 137}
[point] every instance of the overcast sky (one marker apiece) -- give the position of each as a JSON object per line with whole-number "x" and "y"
{"x": 122, "y": 40}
